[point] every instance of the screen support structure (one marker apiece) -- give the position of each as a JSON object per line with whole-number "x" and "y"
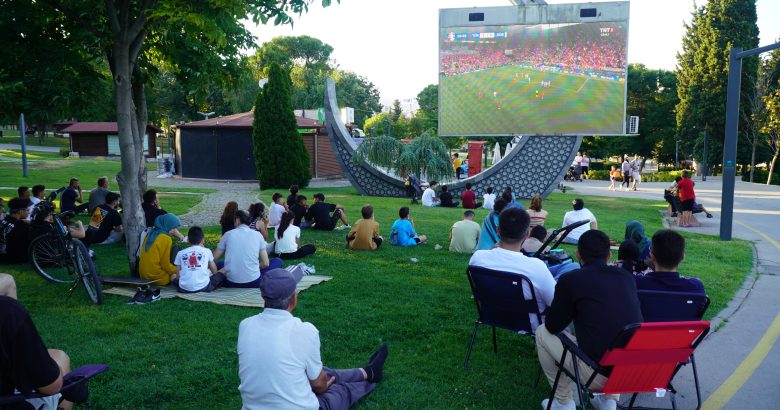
{"x": 730, "y": 142}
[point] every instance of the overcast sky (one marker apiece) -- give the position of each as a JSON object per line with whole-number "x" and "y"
{"x": 394, "y": 43}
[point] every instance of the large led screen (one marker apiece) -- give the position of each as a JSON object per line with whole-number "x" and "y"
{"x": 541, "y": 79}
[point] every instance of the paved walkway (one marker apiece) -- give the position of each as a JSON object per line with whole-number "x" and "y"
{"x": 739, "y": 363}
{"x": 30, "y": 148}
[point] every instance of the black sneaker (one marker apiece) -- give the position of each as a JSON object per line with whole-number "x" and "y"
{"x": 139, "y": 293}
{"x": 148, "y": 296}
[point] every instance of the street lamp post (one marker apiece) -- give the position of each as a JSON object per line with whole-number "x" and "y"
{"x": 676, "y": 155}
{"x": 704, "y": 159}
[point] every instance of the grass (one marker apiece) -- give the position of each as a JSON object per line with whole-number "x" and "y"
{"x": 12, "y": 137}
{"x": 180, "y": 354}
{"x": 470, "y": 107}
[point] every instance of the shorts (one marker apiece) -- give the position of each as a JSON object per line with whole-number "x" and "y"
{"x": 416, "y": 240}
{"x": 687, "y": 205}
{"x": 584, "y": 169}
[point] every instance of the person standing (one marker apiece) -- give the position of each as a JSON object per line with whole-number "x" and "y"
{"x": 687, "y": 200}
{"x": 585, "y": 163}
{"x": 636, "y": 171}
{"x": 626, "y": 169}
{"x": 97, "y": 196}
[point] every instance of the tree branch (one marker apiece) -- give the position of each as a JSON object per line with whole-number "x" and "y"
{"x": 136, "y": 45}
{"x": 113, "y": 21}
{"x": 138, "y": 25}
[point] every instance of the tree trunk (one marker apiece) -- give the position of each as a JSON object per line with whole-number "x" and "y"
{"x": 142, "y": 119}
{"x": 772, "y": 167}
{"x": 753, "y": 159}
{"x": 131, "y": 156}
{"x": 41, "y": 133}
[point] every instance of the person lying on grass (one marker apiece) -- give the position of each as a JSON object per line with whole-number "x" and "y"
{"x": 364, "y": 235}
{"x": 245, "y": 253}
{"x": 195, "y": 266}
{"x": 279, "y": 362}
{"x": 402, "y": 232}
{"x": 158, "y": 251}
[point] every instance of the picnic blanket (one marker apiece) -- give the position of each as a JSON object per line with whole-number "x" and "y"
{"x": 222, "y": 296}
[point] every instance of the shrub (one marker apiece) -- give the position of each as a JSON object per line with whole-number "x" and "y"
{"x": 65, "y": 152}
{"x": 602, "y": 165}
{"x": 760, "y": 176}
{"x": 603, "y": 175}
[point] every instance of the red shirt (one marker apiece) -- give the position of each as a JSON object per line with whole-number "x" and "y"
{"x": 469, "y": 199}
{"x": 685, "y": 189}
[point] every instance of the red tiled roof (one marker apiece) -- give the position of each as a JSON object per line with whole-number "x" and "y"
{"x": 244, "y": 120}
{"x": 97, "y": 128}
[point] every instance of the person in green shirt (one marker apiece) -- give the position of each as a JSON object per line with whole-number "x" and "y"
{"x": 464, "y": 234}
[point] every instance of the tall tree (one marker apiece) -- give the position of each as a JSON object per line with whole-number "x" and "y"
{"x": 428, "y": 99}
{"x": 353, "y": 90}
{"x": 198, "y": 40}
{"x": 395, "y": 111}
{"x": 703, "y": 69}
{"x": 280, "y": 156}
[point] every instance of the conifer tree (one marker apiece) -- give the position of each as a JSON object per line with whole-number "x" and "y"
{"x": 280, "y": 155}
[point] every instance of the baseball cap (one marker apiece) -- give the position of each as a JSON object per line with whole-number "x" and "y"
{"x": 279, "y": 284}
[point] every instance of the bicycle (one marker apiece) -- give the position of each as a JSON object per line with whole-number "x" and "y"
{"x": 60, "y": 258}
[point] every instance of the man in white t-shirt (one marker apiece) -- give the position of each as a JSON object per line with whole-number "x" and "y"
{"x": 506, "y": 257}
{"x": 636, "y": 173}
{"x": 580, "y": 213}
{"x": 195, "y": 266}
{"x": 429, "y": 195}
{"x": 279, "y": 362}
{"x": 245, "y": 253}
{"x": 489, "y": 198}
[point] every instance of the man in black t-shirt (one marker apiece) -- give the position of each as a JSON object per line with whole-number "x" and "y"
{"x": 14, "y": 232}
{"x": 319, "y": 214}
{"x": 299, "y": 208}
{"x": 601, "y": 300}
{"x": 25, "y": 363}
{"x": 151, "y": 207}
{"x": 445, "y": 198}
{"x": 105, "y": 224}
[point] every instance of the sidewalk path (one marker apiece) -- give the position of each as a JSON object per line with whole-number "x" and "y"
{"x": 739, "y": 363}
{"x": 30, "y": 148}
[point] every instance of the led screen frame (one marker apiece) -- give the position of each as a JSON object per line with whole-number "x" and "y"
{"x": 495, "y": 104}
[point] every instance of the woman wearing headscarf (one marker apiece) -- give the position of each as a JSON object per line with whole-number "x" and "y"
{"x": 636, "y": 232}
{"x": 155, "y": 262}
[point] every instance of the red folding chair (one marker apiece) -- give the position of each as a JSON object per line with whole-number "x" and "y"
{"x": 644, "y": 358}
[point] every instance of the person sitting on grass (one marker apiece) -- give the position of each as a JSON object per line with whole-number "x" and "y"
{"x": 97, "y": 196}
{"x": 292, "y": 199}
{"x": 535, "y": 240}
{"x": 445, "y": 198}
{"x": 535, "y": 211}
{"x": 7, "y": 286}
{"x": 279, "y": 362}
{"x": 578, "y": 213}
{"x": 278, "y": 207}
{"x": 636, "y": 232}
{"x": 511, "y": 200}
{"x": 24, "y": 193}
{"x": 429, "y": 195}
{"x": 600, "y": 300}
{"x": 402, "y": 232}
{"x": 151, "y": 207}
{"x": 70, "y": 196}
{"x": 299, "y": 209}
{"x": 158, "y": 252}
{"x": 105, "y": 224}
{"x": 195, "y": 266}
{"x": 320, "y": 217}
{"x": 28, "y": 366}
{"x": 288, "y": 239}
{"x": 15, "y": 233}
{"x": 489, "y": 198}
{"x": 488, "y": 236}
{"x": 43, "y": 222}
{"x": 464, "y": 234}
{"x": 246, "y": 258}
{"x": 38, "y": 194}
{"x": 507, "y": 257}
{"x": 259, "y": 219}
{"x": 668, "y": 251}
{"x": 470, "y": 198}
{"x": 228, "y": 219}
{"x": 364, "y": 235}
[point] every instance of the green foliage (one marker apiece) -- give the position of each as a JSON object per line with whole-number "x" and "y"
{"x": 378, "y": 124}
{"x": 664, "y": 176}
{"x": 602, "y": 165}
{"x": 280, "y": 156}
{"x": 382, "y": 150}
{"x": 396, "y": 112}
{"x": 761, "y": 176}
{"x": 703, "y": 68}
{"x": 425, "y": 156}
{"x": 356, "y": 91}
{"x": 428, "y": 99}
{"x": 65, "y": 152}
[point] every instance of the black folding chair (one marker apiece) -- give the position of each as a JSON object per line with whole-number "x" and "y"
{"x": 74, "y": 386}
{"x": 501, "y": 302}
{"x": 663, "y": 306}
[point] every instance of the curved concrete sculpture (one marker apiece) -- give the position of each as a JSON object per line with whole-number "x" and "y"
{"x": 534, "y": 166}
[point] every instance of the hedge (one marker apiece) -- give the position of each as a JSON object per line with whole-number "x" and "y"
{"x": 760, "y": 176}
{"x": 666, "y": 176}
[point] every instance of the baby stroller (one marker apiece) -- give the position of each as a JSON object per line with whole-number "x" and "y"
{"x": 413, "y": 188}
{"x": 574, "y": 174}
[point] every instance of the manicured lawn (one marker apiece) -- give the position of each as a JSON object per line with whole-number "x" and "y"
{"x": 181, "y": 354}
{"x": 12, "y": 137}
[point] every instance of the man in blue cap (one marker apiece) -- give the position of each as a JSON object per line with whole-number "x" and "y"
{"x": 279, "y": 357}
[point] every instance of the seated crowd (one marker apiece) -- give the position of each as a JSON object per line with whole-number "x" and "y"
{"x": 592, "y": 299}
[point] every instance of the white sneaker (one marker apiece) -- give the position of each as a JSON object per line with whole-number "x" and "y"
{"x": 556, "y": 405}
{"x": 342, "y": 227}
{"x": 600, "y": 403}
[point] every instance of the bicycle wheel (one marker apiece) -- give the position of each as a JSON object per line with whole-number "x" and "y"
{"x": 88, "y": 273}
{"x": 49, "y": 256}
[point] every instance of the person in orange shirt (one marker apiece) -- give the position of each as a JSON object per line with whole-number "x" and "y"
{"x": 614, "y": 175}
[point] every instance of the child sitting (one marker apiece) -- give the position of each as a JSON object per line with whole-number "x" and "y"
{"x": 402, "y": 232}
{"x": 364, "y": 234}
{"x": 278, "y": 207}
{"x": 196, "y": 267}
{"x": 535, "y": 240}
{"x": 489, "y": 198}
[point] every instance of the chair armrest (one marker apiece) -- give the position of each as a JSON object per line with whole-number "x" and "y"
{"x": 575, "y": 350}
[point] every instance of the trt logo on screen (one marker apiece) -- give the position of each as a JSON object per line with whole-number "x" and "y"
{"x": 606, "y": 31}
